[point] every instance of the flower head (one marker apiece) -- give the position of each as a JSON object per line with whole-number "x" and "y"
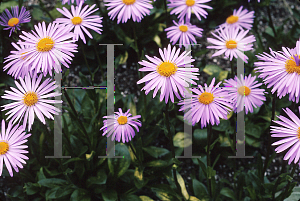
{"x": 12, "y": 147}
{"x": 184, "y": 32}
{"x": 232, "y": 42}
{"x": 239, "y": 19}
{"x": 169, "y": 73}
{"x": 244, "y": 92}
{"x": 31, "y": 98}
{"x": 125, "y": 9}
{"x": 13, "y": 21}
{"x": 120, "y": 125}
{"x": 80, "y": 19}
{"x": 186, "y": 7}
{"x": 208, "y": 105}
{"x": 47, "y": 48}
{"x": 72, "y": 1}
{"x": 290, "y": 131}
{"x": 281, "y": 71}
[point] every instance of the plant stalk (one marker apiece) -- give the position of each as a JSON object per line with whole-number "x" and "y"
{"x": 209, "y": 133}
{"x": 86, "y": 63}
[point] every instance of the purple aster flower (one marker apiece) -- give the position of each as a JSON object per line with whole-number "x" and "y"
{"x": 81, "y": 19}
{"x": 120, "y": 125}
{"x": 168, "y": 74}
{"x": 281, "y": 71}
{"x": 186, "y": 7}
{"x": 232, "y": 42}
{"x": 209, "y": 104}
{"x": 244, "y": 92}
{"x": 240, "y": 19}
{"x": 13, "y": 21}
{"x": 184, "y": 32}
{"x": 12, "y": 148}
{"x": 290, "y": 131}
{"x": 31, "y": 98}
{"x": 125, "y": 9}
{"x": 47, "y": 48}
{"x": 72, "y": 1}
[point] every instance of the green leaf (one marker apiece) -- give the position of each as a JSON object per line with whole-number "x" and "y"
{"x": 118, "y": 166}
{"x": 156, "y": 151}
{"x": 7, "y": 5}
{"x": 32, "y": 188}
{"x": 139, "y": 180}
{"x": 145, "y": 198}
{"x": 210, "y": 172}
{"x": 165, "y": 193}
{"x": 182, "y": 185}
{"x": 200, "y": 134}
{"x": 80, "y": 195}
{"x": 98, "y": 180}
{"x": 199, "y": 189}
{"x": 110, "y": 195}
{"x": 130, "y": 197}
{"x": 179, "y": 140}
{"x": 224, "y": 124}
{"x": 53, "y": 182}
{"x": 159, "y": 163}
{"x": 228, "y": 193}
{"x": 37, "y": 14}
{"x": 211, "y": 69}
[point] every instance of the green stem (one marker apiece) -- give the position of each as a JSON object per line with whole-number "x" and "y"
{"x": 289, "y": 182}
{"x": 99, "y": 61}
{"x": 132, "y": 148}
{"x": 46, "y": 10}
{"x": 209, "y": 133}
{"x": 269, "y": 135}
{"x": 137, "y": 51}
{"x": 172, "y": 146}
{"x": 20, "y": 4}
{"x": 271, "y": 21}
{"x": 86, "y": 63}
{"x": 232, "y": 69}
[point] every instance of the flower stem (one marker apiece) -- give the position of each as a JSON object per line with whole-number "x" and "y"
{"x": 269, "y": 136}
{"x": 209, "y": 133}
{"x": 289, "y": 182}
{"x": 271, "y": 21}
{"x": 232, "y": 69}
{"x": 46, "y": 10}
{"x": 86, "y": 63}
{"x": 132, "y": 148}
{"x": 172, "y": 146}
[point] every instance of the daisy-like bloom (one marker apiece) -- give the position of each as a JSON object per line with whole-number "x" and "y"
{"x": 47, "y": 48}
{"x": 244, "y": 92}
{"x": 232, "y": 42}
{"x": 13, "y": 21}
{"x": 31, "y": 98}
{"x": 240, "y": 19}
{"x": 12, "y": 147}
{"x": 17, "y": 61}
{"x": 81, "y": 19}
{"x": 184, "y": 32}
{"x": 125, "y": 9}
{"x": 290, "y": 131}
{"x": 186, "y": 7}
{"x": 209, "y": 104}
{"x": 72, "y": 1}
{"x": 281, "y": 71}
{"x": 120, "y": 125}
{"x": 168, "y": 74}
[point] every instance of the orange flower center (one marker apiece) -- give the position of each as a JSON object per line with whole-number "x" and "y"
{"x": 243, "y": 90}
{"x": 30, "y": 98}
{"x": 76, "y": 20}
{"x": 183, "y": 28}
{"x": 4, "y": 147}
{"x": 190, "y": 2}
{"x": 206, "y": 98}
{"x": 232, "y": 19}
{"x": 13, "y": 21}
{"x": 231, "y": 44}
{"x": 45, "y": 44}
{"x": 291, "y": 66}
{"x": 298, "y": 135}
{"x": 122, "y": 120}
{"x": 128, "y": 2}
{"x": 166, "y": 69}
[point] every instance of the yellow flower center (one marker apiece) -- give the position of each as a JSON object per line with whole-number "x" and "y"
{"x": 45, "y": 44}
{"x": 243, "y": 90}
{"x": 4, "y": 147}
{"x": 13, "y": 21}
{"x": 291, "y": 66}
{"x": 76, "y": 20}
{"x": 190, "y": 2}
{"x": 166, "y": 69}
{"x": 232, "y": 19}
{"x": 183, "y": 28}
{"x": 298, "y": 135}
{"x": 30, "y": 98}
{"x": 206, "y": 98}
{"x": 231, "y": 44}
{"x": 128, "y": 2}
{"x": 122, "y": 120}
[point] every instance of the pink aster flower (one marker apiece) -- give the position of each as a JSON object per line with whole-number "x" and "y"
{"x": 281, "y": 71}
{"x": 17, "y": 63}
{"x": 208, "y": 105}
{"x": 184, "y": 32}
{"x": 240, "y": 19}
{"x": 81, "y": 19}
{"x": 186, "y": 7}
{"x": 232, "y": 42}
{"x": 72, "y": 1}
{"x": 12, "y": 148}
{"x": 244, "y": 92}
{"x": 290, "y": 131}
{"x": 168, "y": 74}
{"x": 13, "y": 21}
{"x": 120, "y": 125}
{"x": 47, "y": 48}
{"x": 31, "y": 98}
{"x": 125, "y": 9}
